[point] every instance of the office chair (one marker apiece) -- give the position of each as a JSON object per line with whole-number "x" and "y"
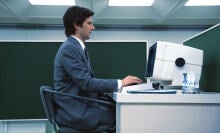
{"x": 46, "y": 93}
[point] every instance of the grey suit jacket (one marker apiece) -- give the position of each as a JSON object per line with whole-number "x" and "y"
{"x": 73, "y": 75}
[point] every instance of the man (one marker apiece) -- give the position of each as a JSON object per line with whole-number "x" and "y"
{"x": 73, "y": 74}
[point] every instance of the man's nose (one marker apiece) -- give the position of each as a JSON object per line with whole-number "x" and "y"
{"x": 93, "y": 27}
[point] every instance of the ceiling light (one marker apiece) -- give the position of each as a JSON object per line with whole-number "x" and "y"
{"x": 203, "y": 3}
{"x": 53, "y": 2}
{"x": 131, "y": 2}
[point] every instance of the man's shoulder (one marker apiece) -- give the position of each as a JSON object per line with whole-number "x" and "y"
{"x": 69, "y": 43}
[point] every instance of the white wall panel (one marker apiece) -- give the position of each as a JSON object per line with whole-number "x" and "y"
{"x": 176, "y": 36}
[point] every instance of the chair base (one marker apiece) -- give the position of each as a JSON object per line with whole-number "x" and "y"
{"x": 101, "y": 129}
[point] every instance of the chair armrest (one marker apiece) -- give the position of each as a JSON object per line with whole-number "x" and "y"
{"x": 106, "y": 97}
{"x": 82, "y": 98}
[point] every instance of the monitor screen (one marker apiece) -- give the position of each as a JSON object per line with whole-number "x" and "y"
{"x": 151, "y": 60}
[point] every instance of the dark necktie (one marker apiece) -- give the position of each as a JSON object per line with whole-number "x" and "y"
{"x": 86, "y": 53}
{"x": 87, "y": 57}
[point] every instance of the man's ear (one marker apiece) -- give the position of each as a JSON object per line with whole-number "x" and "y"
{"x": 76, "y": 26}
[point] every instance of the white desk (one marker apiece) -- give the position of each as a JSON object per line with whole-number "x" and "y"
{"x": 167, "y": 113}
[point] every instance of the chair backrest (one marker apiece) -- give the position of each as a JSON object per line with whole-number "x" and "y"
{"x": 48, "y": 104}
{"x": 47, "y": 93}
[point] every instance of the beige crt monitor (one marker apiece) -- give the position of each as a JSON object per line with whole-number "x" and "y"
{"x": 168, "y": 61}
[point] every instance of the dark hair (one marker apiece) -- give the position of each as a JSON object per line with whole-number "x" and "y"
{"x": 75, "y": 15}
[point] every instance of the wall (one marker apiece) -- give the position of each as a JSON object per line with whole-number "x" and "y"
{"x": 151, "y": 35}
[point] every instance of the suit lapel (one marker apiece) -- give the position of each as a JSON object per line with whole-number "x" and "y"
{"x": 75, "y": 42}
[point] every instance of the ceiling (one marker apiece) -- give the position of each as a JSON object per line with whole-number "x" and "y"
{"x": 163, "y": 13}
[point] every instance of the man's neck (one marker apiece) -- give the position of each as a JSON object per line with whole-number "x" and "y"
{"x": 77, "y": 36}
{"x": 80, "y": 41}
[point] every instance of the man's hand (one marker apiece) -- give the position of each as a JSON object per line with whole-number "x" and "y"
{"x": 129, "y": 80}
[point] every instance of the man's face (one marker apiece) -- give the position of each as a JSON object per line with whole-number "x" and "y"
{"x": 84, "y": 32}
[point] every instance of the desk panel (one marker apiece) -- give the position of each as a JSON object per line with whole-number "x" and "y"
{"x": 156, "y": 113}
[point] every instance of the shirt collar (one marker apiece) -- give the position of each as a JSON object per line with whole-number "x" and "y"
{"x": 80, "y": 42}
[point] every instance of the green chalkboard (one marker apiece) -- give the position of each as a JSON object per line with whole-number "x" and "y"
{"x": 25, "y": 66}
{"x": 118, "y": 59}
{"x": 209, "y": 41}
